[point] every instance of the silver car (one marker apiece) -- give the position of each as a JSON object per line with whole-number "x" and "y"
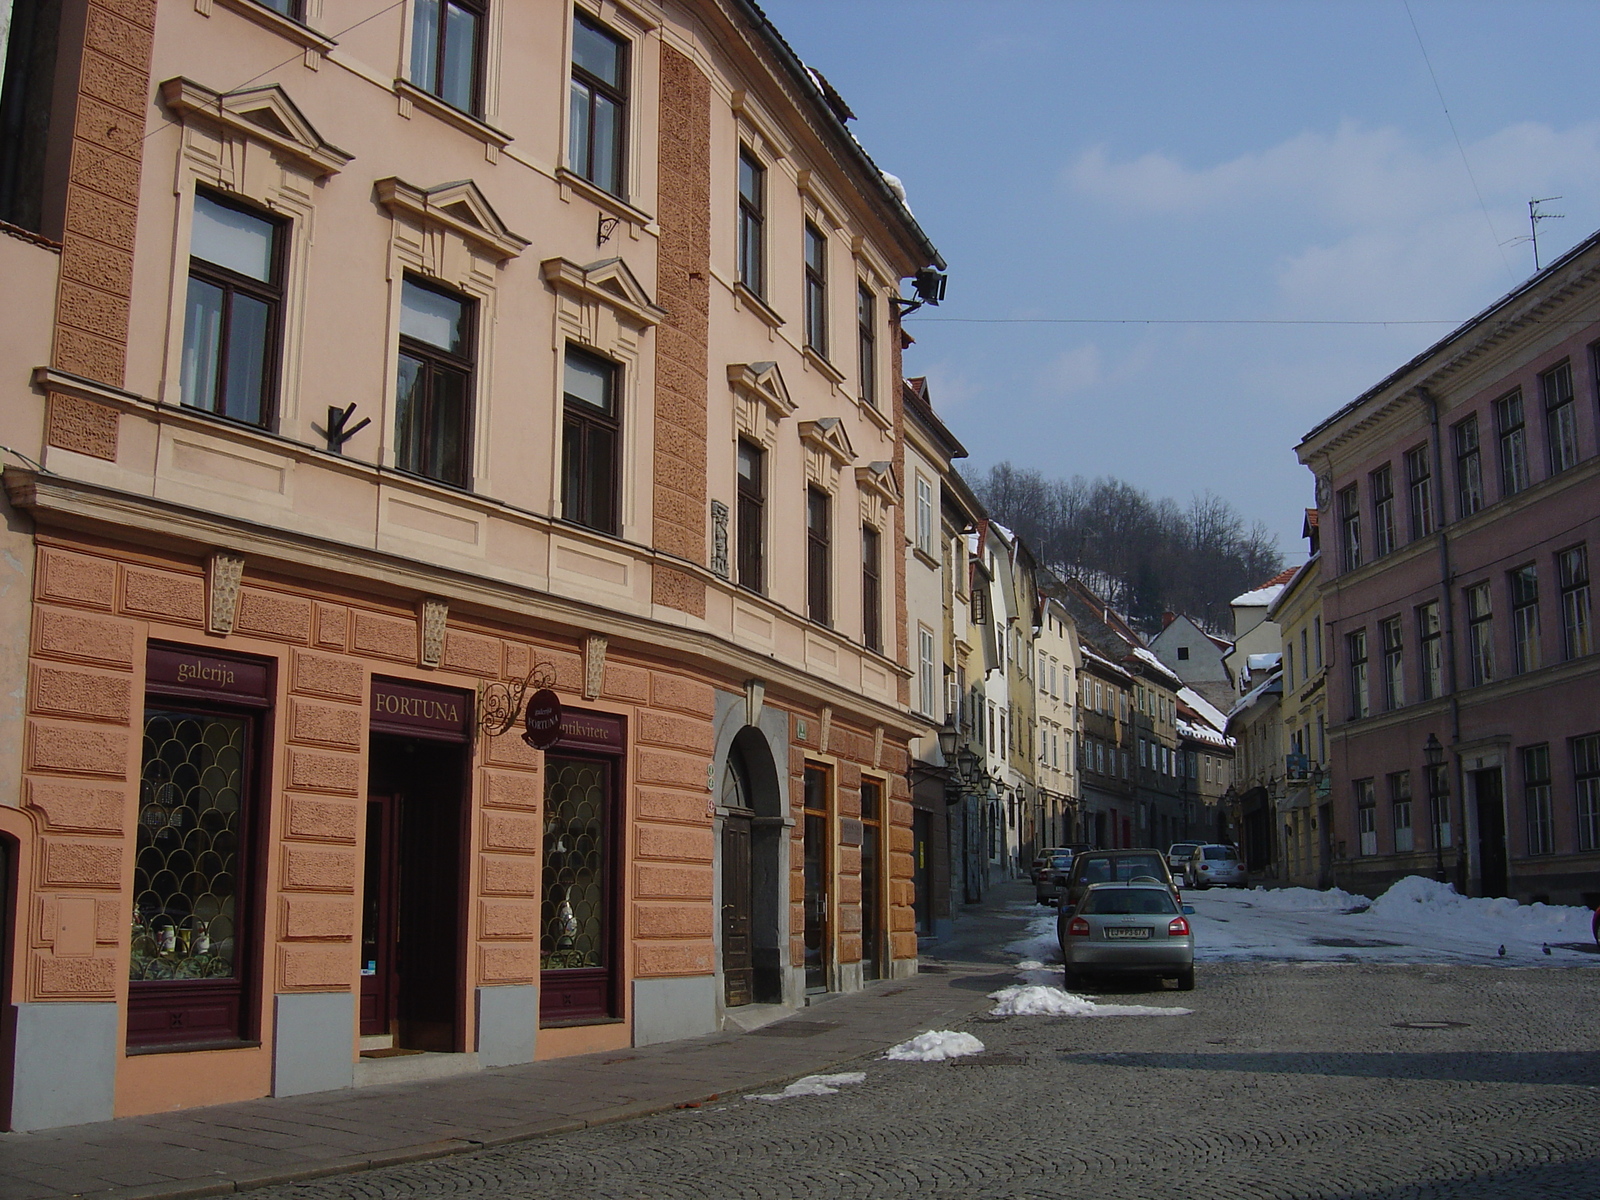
{"x": 1127, "y": 928}
{"x": 1215, "y": 864}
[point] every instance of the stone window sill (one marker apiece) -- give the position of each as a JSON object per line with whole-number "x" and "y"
{"x": 600, "y": 198}
{"x": 449, "y": 114}
{"x": 828, "y": 371}
{"x": 748, "y": 299}
{"x": 881, "y": 419}
{"x": 287, "y": 27}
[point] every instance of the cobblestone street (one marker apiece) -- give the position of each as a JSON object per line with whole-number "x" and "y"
{"x": 1287, "y": 1080}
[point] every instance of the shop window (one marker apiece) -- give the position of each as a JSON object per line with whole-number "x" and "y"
{"x": 818, "y": 876}
{"x": 193, "y": 953}
{"x": 599, "y": 117}
{"x": 447, "y": 51}
{"x": 433, "y": 389}
{"x": 874, "y": 942}
{"x": 591, "y": 442}
{"x": 580, "y": 915}
{"x": 231, "y": 314}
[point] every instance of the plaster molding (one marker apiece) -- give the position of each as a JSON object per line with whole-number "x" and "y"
{"x": 609, "y": 282}
{"x": 460, "y": 207}
{"x": 594, "y": 665}
{"x": 261, "y": 114}
{"x": 435, "y": 616}
{"x": 224, "y": 574}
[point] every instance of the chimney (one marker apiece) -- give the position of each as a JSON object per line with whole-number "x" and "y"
{"x": 1167, "y": 618}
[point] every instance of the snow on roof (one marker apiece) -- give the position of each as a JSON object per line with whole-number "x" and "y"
{"x": 1260, "y": 597}
{"x": 1208, "y": 711}
{"x": 1151, "y": 660}
{"x": 1264, "y": 662}
{"x": 1090, "y": 656}
{"x": 1275, "y": 680}
{"x": 1203, "y": 733}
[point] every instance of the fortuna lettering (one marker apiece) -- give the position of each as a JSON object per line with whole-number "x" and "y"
{"x": 412, "y": 706}
{"x": 199, "y": 672}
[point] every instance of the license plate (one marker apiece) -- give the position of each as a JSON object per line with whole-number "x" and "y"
{"x": 1141, "y": 931}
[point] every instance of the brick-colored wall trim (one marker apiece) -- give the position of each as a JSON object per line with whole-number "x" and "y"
{"x": 682, "y": 357}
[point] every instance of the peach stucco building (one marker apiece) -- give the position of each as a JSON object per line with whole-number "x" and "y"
{"x": 368, "y": 369}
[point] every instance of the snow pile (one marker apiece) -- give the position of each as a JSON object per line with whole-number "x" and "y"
{"x": 814, "y": 1085}
{"x": 1299, "y": 899}
{"x": 1033, "y": 1000}
{"x": 1033, "y": 971}
{"x": 935, "y": 1046}
{"x": 1415, "y": 900}
{"x": 1039, "y": 945}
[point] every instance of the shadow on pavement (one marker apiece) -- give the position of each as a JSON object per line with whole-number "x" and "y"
{"x": 1468, "y": 1066}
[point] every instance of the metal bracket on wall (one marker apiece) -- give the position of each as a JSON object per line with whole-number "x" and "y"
{"x": 499, "y": 704}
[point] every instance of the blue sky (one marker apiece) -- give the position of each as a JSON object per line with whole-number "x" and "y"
{"x": 1139, "y": 159}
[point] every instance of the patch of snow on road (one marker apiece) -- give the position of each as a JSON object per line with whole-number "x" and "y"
{"x": 1039, "y": 944}
{"x": 1299, "y": 899}
{"x": 814, "y": 1085}
{"x": 1033, "y": 1000}
{"x": 936, "y": 1045}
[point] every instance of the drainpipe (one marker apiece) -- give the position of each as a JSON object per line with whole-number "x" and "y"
{"x": 1447, "y": 578}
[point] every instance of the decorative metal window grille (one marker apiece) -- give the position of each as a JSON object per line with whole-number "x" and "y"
{"x": 186, "y": 864}
{"x": 574, "y": 917}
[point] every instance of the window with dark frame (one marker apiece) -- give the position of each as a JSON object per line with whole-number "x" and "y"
{"x": 871, "y": 590}
{"x": 752, "y": 221}
{"x": 193, "y": 951}
{"x": 1400, "y": 808}
{"x": 1394, "y": 679}
{"x": 1367, "y": 816}
{"x": 1469, "y": 467}
{"x": 32, "y": 125}
{"x": 1430, "y": 650}
{"x": 1350, "y": 527}
{"x": 1536, "y": 799}
{"x": 819, "y": 556}
{"x": 1419, "y": 485}
{"x": 752, "y": 517}
{"x": 447, "y": 51}
{"x": 1525, "y": 654}
{"x": 433, "y": 389}
{"x": 1572, "y": 566}
{"x": 232, "y": 313}
{"x": 591, "y": 442}
{"x": 1560, "y": 417}
{"x": 1480, "y": 634}
{"x": 598, "y": 128}
{"x": 1438, "y": 778}
{"x": 293, "y": 9}
{"x": 1360, "y": 694}
{"x": 816, "y": 306}
{"x": 867, "y": 343}
{"x": 1586, "y": 788}
{"x": 1513, "y": 434}
{"x": 1381, "y": 484}
{"x": 927, "y": 697}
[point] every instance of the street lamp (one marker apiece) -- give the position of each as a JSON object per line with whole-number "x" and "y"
{"x": 1438, "y": 797}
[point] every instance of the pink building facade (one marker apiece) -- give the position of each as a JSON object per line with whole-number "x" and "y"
{"x": 1459, "y": 505}
{"x": 368, "y": 370}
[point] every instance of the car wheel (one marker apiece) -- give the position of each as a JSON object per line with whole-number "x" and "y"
{"x": 1186, "y": 980}
{"x": 1071, "y": 978}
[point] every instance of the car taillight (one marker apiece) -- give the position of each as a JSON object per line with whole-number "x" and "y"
{"x": 1178, "y": 928}
{"x": 1203, "y": 867}
{"x": 1078, "y": 927}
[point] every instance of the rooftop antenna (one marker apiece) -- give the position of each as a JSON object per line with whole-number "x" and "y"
{"x": 1534, "y": 217}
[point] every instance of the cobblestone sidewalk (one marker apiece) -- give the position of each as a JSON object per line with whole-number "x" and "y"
{"x": 240, "y": 1147}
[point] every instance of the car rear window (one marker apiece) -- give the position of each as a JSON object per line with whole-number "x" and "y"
{"x": 1061, "y": 861}
{"x": 1128, "y": 868}
{"x": 1221, "y": 852}
{"x": 1132, "y": 902}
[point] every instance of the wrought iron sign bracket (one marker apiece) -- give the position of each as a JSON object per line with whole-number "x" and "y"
{"x": 500, "y": 704}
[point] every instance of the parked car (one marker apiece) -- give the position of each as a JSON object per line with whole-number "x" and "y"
{"x": 1178, "y": 855}
{"x": 1215, "y": 864}
{"x": 1041, "y": 861}
{"x": 1116, "y": 866}
{"x": 1047, "y": 882}
{"x": 1126, "y": 928}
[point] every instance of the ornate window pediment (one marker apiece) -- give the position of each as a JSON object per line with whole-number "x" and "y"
{"x": 879, "y": 490}
{"x": 608, "y": 282}
{"x": 459, "y": 207}
{"x": 263, "y": 114}
{"x": 761, "y": 400}
{"x": 828, "y": 451}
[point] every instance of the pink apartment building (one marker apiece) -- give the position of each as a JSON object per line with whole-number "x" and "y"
{"x": 378, "y": 382}
{"x": 1459, "y": 505}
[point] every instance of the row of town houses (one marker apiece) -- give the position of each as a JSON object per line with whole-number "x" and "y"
{"x": 1422, "y": 695}
{"x": 480, "y": 589}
